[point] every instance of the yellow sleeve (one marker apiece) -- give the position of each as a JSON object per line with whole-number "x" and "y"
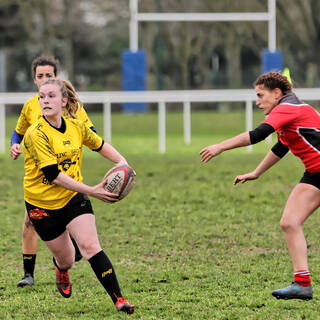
{"x": 39, "y": 149}
{"x": 22, "y": 123}
{"x": 82, "y": 114}
{"x": 90, "y": 138}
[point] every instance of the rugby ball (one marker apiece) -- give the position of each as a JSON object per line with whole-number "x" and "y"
{"x": 120, "y": 180}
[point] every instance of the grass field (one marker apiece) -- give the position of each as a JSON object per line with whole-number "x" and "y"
{"x": 186, "y": 243}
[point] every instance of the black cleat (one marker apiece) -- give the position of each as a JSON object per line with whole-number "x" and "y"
{"x": 294, "y": 291}
{"x": 27, "y": 280}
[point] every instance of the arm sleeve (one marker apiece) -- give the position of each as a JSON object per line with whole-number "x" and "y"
{"x": 51, "y": 172}
{"x": 16, "y": 138}
{"x": 98, "y": 149}
{"x": 93, "y": 129}
{"x": 82, "y": 115}
{"x": 23, "y": 123}
{"x": 38, "y": 146}
{"x": 260, "y": 133}
{"x": 90, "y": 138}
{"x": 280, "y": 149}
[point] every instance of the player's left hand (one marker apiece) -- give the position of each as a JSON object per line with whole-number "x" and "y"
{"x": 245, "y": 177}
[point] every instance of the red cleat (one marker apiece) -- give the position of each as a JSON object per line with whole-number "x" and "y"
{"x": 63, "y": 282}
{"x": 124, "y": 306}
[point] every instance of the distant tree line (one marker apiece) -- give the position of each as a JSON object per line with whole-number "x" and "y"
{"x": 88, "y": 37}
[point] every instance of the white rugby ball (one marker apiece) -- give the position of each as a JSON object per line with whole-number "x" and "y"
{"x": 120, "y": 180}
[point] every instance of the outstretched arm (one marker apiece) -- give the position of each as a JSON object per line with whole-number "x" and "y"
{"x": 269, "y": 160}
{"x": 243, "y": 139}
{"x": 209, "y": 152}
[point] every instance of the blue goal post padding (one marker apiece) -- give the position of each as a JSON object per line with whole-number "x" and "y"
{"x": 272, "y": 61}
{"x": 134, "y": 71}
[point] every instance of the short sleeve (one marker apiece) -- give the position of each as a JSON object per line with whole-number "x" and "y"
{"x": 22, "y": 123}
{"x": 90, "y": 138}
{"x": 83, "y": 116}
{"x": 37, "y": 145}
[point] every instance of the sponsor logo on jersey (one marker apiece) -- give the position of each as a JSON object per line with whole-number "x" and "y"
{"x": 66, "y": 142}
{"x": 66, "y": 164}
{"x": 46, "y": 181}
{"x": 61, "y": 155}
{"x": 38, "y": 214}
{"x": 75, "y": 152}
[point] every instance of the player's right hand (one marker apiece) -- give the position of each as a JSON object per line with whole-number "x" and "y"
{"x": 15, "y": 151}
{"x": 100, "y": 193}
{"x": 209, "y": 152}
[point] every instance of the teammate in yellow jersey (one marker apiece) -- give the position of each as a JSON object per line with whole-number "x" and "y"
{"x": 43, "y": 68}
{"x": 56, "y": 199}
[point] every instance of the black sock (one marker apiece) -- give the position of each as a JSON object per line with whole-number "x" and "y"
{"x": 104, "y": 271}
{"x": 29, "y": 261}
{"x": 55, "y": 263}
{"x": 78, "y": 255}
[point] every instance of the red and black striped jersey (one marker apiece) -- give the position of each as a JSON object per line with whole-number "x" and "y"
{"x": 298, "y": 127}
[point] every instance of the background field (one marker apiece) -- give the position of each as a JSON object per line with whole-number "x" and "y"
{"x": 186, "y": 243}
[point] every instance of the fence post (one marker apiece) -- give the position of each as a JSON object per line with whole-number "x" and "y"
{"x": 107, "y": 121}
{"x": 162, "y": 126}
{"x": 2, "y": 128}
{"x": 187, "y": 121}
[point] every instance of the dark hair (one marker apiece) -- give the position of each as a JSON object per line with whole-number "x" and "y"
{"x": 67, "y": 91}
{"x": 272, "y": 80}
{"x": 44, "y": 61}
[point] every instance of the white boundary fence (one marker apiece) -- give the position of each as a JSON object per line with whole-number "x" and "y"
{"x": 186, "y": 97}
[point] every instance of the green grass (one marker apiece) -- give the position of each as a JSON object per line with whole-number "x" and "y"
{"x": 186, "y": 243}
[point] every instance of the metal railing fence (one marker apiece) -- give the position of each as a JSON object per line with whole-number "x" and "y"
{"x": 186, "y": 97}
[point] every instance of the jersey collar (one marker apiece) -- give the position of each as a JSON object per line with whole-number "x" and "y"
{"x": 63, "y": 127}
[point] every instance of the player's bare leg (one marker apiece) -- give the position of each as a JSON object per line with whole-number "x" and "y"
{"x": 302, "y": 202}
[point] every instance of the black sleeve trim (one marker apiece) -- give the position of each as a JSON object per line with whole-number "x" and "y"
{"x": 93, "y": 129}
{"x": 280, "y": 149}
{"x": 97, "y": 150}
{"x": 51, "y": 172}
{"x": 260, "y": 133}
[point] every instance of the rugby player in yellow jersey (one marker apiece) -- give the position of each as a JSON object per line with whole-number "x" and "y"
{"x": 56, "y": 199}
{"x": 43, "y": 68}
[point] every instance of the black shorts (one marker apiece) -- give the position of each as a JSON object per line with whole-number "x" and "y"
{"x": 50, "y": 224}
{"x": 311, "y": 178}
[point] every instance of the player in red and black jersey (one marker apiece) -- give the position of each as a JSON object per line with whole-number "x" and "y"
{"x": 298, "y": 128}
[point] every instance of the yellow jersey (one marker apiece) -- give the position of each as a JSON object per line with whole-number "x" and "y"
{"x": 31, "y": 112}
{"x": 45, "y": 145}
